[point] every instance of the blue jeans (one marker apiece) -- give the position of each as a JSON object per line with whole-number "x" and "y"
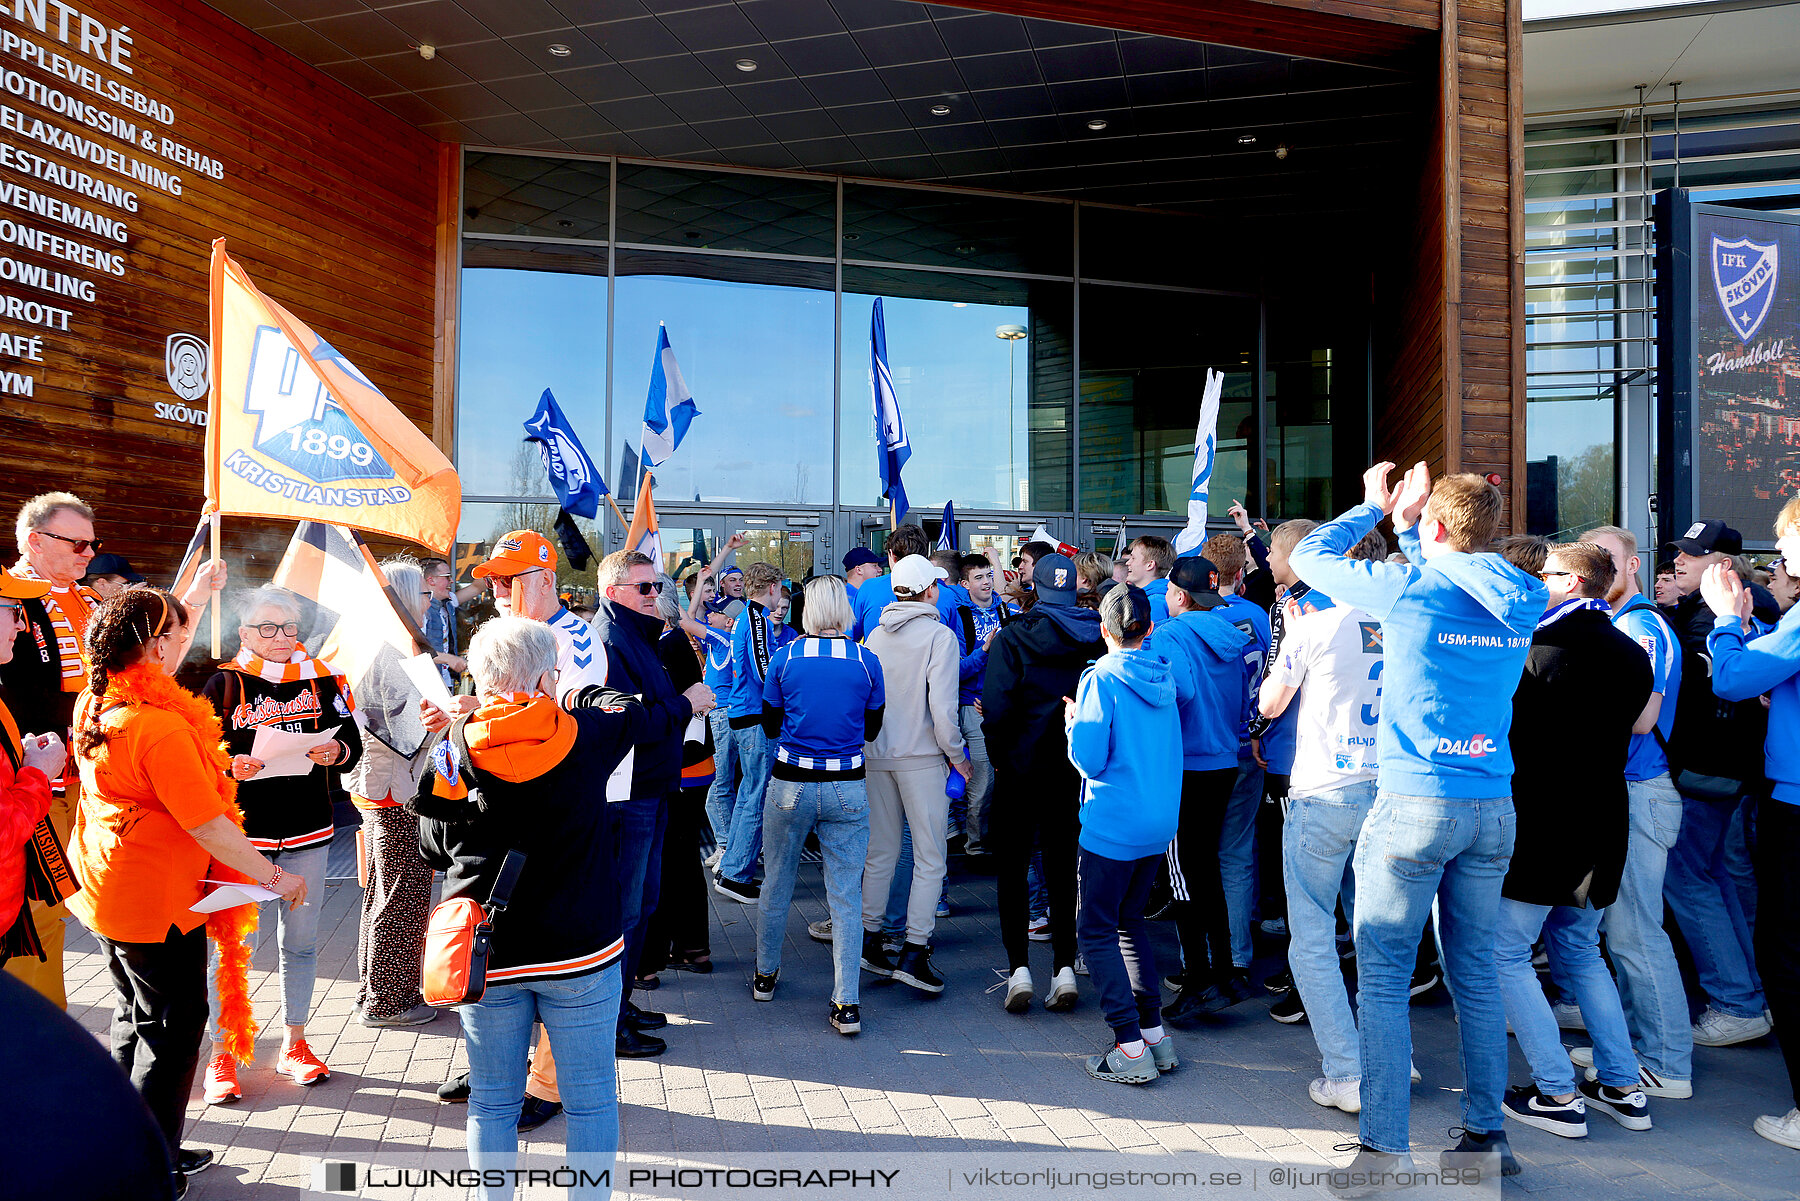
{"x": 839, "y": 811}
{"x": 1704, "y": 898}
{"x": 580, "y": 1015}
{"x": 1317, "y": 840}
{"x": 755, "y": 754}
{"x": 642, "y": 823}
{"x": 1572, "y": 938}
{"x": 1237, "y": 855}
{"x": 1414, "y": 850}
{"x": 1650, "y": 987}
{"x": 721, "y": 795}
{"x": 981, "y": 782}
{"x": 297, "y": 939}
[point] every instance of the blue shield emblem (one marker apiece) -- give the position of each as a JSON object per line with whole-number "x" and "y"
{"x": 1744, "y": 274}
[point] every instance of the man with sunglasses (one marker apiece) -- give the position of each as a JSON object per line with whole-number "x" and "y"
{"x": 55, "y": 534}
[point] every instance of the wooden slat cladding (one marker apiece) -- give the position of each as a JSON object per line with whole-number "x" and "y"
{"x": 330, "y": 203}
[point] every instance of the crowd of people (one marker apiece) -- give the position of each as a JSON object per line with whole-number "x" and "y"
{"x": 1503, "y": 770}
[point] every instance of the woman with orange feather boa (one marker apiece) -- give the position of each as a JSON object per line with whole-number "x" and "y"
{"x": 158, "y": 817}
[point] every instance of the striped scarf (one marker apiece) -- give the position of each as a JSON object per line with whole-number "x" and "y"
{"x": 301, "y": 667}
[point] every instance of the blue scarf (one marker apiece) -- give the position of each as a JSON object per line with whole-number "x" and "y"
{"x": 1573, "y": 605}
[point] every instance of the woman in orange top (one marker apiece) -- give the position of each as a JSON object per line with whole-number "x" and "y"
{"x": 158, "y": 817}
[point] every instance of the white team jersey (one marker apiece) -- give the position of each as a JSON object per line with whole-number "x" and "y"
{"x": 580, "y": 659}
{"x": 1333, "y": 656}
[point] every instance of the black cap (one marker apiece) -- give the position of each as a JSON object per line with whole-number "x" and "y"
{"x": 857, "y": 556}
{"x": 1053, "y": 579}
{"x": 1125, "y": 613}
{"x": 1193, "y": 574}
{"x": 111, "y": 564}
{"x": 1707, "y": 537}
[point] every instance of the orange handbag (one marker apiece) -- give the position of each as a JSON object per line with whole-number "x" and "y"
{"x": 459, "y": 939}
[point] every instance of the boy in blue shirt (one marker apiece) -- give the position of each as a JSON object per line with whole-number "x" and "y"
{"x": 755, "y": 638}
{"x": 979, "y": 615}
{"x": 1456, "y": 626}
{"x": 1122, "y": 725}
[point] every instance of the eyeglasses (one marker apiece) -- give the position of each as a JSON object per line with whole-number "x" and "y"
{"x": 81, "y": 545}
{"x": 268, "y": 629}
{"x": 12, "y": 609}
{"x": 504, "y": 583}
{"x": 644, "y": 588}
{"x": 1544, "y": 575}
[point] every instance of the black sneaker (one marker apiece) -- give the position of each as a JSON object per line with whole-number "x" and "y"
{"x": 534, "y": 1112}
{"x": 179, "y": 1183}
{"x": 1280, "y": 982}
{"x": 846, "y": 1019}
{"x": 875, "y": 957}
{"x": 1423, "y": 981}
{"x": 1626, "y": 1106}
{"x": 1566, "y": 1119}
{"x": 635, "y": 1044}
{"x": 1237, "y": 987}
{"x": 914, "y": 968}
{"x": 1289, "y": 1009}
{"x": 192, "y": 1160}
{"x": 643, "y": 1019}
{"x": 762, "y": 987}
{"x": 1472, "y": 1143}
{"x": 453, "y": 1092}
{"x": 745, "y": 894}
{"x": 1371, "y": 1172}
{"x": 1191, "y": 1003}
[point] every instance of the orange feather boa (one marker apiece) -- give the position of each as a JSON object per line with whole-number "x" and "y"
{"x": 230, "y": 929}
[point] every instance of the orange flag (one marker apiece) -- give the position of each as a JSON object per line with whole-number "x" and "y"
{"x": 644, "y": 536}
{"x": 295, "y": 431}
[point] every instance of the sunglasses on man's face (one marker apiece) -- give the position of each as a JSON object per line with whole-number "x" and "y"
{"x": 81, "y": 546}
{"x": 16, "y": 610}
{"x": 504, "y": 583}
{"x": 644, "y": 588}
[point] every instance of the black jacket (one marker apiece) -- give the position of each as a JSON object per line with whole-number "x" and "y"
{"x": 676, "y": 653}
{"x": 1711, "y": 736}
{"x": 33, "y": 678}
{"x": 1583, "y": 686}
{"x": 633, "y": 665}
{"x": 284, "y": 812}
{"x": 563, "y": 919}
{"x": 1035, "y": 661}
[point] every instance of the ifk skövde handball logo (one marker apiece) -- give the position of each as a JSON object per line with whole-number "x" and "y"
{"x": 1744, "y": 275}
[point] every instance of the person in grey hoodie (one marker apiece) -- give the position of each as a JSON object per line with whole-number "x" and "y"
{"x": 921, "y": 664}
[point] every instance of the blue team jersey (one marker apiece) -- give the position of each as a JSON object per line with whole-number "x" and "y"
{"x": 823, "y": 686}
{"x": 1645, "y": 626}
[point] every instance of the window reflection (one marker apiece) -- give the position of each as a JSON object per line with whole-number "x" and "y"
{"x": 950, "y": 229}
{"x": 1144, "y": 356}
{"x": 528, "y": 194}
{"x": 981, "y": 369}
{"x": 757, "y": 358}
{"x": 726, "y": 210}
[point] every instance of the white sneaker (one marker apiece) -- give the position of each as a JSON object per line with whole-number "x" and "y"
{"x": 1413, "y": 1070}
{"x": 1062, "y": 992}
{"x": 1783, "y": 1130}
{"x": 1081, "y": 965}
{"x": 1039, "y": 930}
{"x": 1568, "y": 1016}
{"x": 1715, "y": 1029}
{"x": 819, "y": 931}
{"x": 712, "y": 860}
{"x": 1649, "y": 1083}
{"x": 1337, "y": 1094}
{"x": 1019, "y": 990}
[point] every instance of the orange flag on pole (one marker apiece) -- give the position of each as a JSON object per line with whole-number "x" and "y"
{"x": 295, "y": 431}
{"x": 644, "y": 536}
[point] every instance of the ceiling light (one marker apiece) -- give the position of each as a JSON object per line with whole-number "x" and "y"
{"x": 960, "y": 304}
{"x": 427, "y": 51}
{"x": 1097, "y": 124}
{"x": 1281, "y": 152}
{"x": 851, "y": 237}
{"x": 559, "y": 50}
{"x": 965, "y": 250}
{"x": 565, "y": 223}
{"x": 1246, "y": 139}
{"x": 940, "y": 110}
{"x": 746, "y": 65}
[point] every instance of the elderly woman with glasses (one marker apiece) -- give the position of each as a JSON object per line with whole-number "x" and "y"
{"x": 274, "y": 684}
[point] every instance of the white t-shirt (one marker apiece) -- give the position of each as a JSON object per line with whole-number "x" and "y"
{"x": 1333, "y": 656}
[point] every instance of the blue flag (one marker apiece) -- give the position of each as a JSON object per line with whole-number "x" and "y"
{"x": 947, "y": 535}
{"x": 670, "y": 407}
{"x": 577, "y": 481}
{"x": 891, "y": 447}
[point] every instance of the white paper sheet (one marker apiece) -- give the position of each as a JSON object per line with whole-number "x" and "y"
{"x": 424, "y": 675}
{"x": 230, "y": 896}
{"x": 283, "y": 752}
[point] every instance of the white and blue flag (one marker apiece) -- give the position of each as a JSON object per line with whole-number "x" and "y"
{"x": 577, "y": 481}
{"x": 947, "y": 535}
{"x": 670, "y": 407}
{"x": 1206, "y": 447}
{"x": 891, "y": 447}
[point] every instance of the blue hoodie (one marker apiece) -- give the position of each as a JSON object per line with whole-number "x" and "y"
{"x": 1119, "y": 738}
{"x": 744, "y": 706}
{"x": 1158, "y": 592}
{"x": 1212, "y": 679}
{"x": 1456, "y": 629}
{"x": 1742, "y": 670}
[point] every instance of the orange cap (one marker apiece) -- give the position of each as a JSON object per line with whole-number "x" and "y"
{"x": 521, "y": 550}
{"x": 18, "y": 588}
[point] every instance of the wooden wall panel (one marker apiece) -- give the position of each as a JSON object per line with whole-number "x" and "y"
{"x": 330, "y": 203}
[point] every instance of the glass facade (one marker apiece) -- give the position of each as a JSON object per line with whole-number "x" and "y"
{"x": 1028, "y": 394}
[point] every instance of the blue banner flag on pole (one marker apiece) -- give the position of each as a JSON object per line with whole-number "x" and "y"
{"x": 892, "y": 448}
{"x": 947, "y": 535}
{"x": 1206, "y": 446}
{"x": 670, "y": 407}
{"x": 577, "y": 481}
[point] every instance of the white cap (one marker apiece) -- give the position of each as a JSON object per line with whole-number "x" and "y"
{"x": 915, "y": 573}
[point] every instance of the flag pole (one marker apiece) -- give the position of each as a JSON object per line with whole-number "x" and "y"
{"x": 215, "y": 600}
{"x": 618, "y": 512}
